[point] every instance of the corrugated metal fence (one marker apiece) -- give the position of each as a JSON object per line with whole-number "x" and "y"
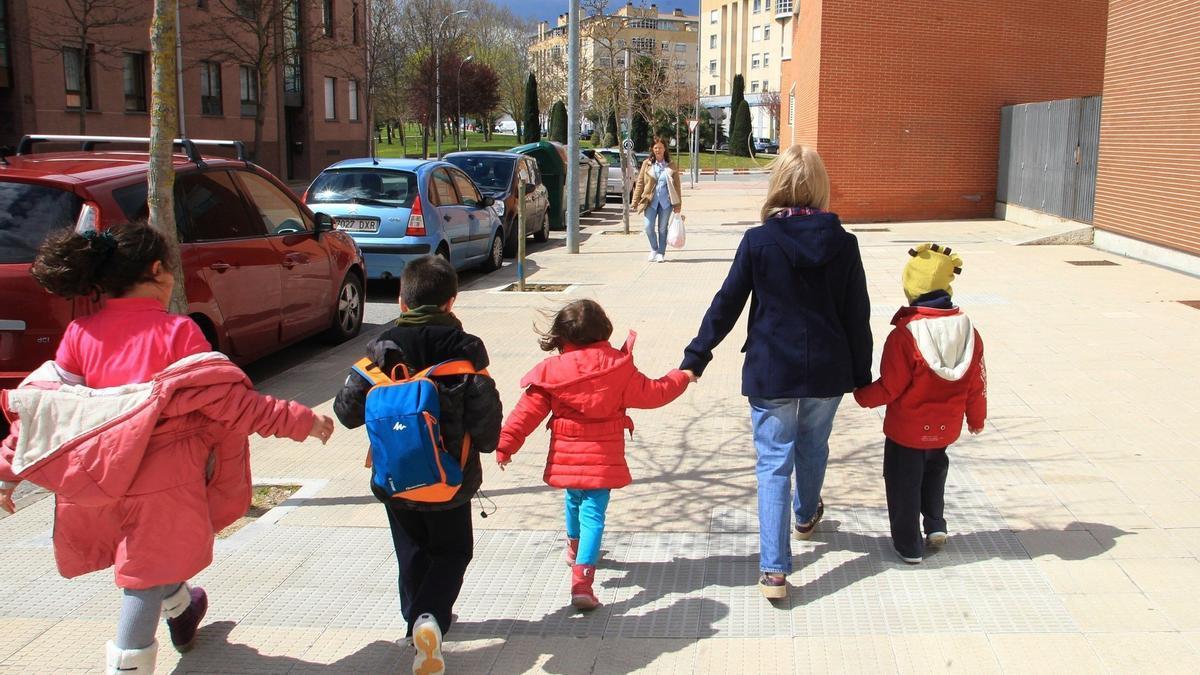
{"x": 1048, "y": 154}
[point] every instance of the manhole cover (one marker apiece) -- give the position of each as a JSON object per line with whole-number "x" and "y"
{"x": 870, "y": 229}
{"x": 537, "y": 288}
{"x": 1092, "y": 263}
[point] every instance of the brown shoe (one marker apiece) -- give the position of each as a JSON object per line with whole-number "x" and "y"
{"x": 773, "y": 586}
{"x": 804, "y": 531}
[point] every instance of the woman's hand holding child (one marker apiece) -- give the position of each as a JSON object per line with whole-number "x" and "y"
{"x": 6, "y": 500}
{"x": 322, "y": 428}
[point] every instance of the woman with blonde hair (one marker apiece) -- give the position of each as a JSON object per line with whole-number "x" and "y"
{"x": 808, "y": 343}
{"x": 657, "y": 194}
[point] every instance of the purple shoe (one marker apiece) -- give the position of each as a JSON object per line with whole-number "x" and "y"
{"x": 184, "y": 626}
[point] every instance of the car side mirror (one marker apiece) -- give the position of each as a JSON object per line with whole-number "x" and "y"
{"x": 325, "y": 222}
{"x": 487, "y": 201}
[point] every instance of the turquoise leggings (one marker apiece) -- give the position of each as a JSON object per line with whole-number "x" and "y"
{"x": 585, "y": 522}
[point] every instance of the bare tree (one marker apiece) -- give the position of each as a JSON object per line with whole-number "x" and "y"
{"x": 500, "y": 40}
{"x": 383, "y": 58}
{"x": 164, "y": 125}
{"x": 79, "y": 31}
{"x": 431, "y": 24}
{"x": 771, "y": 100}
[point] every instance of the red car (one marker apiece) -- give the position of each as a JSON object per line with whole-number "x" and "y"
{"x": 260, "y": 269}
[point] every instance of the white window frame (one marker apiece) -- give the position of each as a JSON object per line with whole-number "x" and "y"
{"x": 712, "y": 41}
{"x": 755, "y": 61}
{"x": 712, "y": 16}
{"x": 712, "y": 67}
{"x": 353, "y": 98}
{"x": 767, "y": 31}
{"x": 754, "y": 86}
{"x": 756, "y": 34}
{"x": 330, "y": 99}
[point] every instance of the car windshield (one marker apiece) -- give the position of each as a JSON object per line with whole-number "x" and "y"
{"x": 28, "y": 213}
{"x": 492, "y": 174}
{"x": 378, "y": 187}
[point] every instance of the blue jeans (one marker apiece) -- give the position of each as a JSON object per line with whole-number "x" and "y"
{"x": 658, "y": 218}
{"x": 585, "y": 522}
{"x": 791, "y": 435}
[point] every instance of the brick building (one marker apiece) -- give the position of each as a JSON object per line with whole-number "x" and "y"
{"x": 903, "y": 100}
{"x": 1148, "y": 176}
{"x": 314, "y": 108}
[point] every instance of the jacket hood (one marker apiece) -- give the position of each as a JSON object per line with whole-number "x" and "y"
{"x": 56, "y": 417}
{"x": 590, "y": 379}
{"x": 944, "y": 337}
{"x": 422, "y": 346}
{"x": 808, "y": 241}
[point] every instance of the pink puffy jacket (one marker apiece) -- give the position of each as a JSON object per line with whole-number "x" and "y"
{"x": 144, "y": 475}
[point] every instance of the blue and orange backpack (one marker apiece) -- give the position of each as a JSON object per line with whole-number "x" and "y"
{"x": 408, "y": 458}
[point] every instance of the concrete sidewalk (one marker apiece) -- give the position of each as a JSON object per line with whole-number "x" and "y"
{"x": 1074, "y": 519}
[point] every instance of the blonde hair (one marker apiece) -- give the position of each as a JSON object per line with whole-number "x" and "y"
{"x": 798, "y": 179}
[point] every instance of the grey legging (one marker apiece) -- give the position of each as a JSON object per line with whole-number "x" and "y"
{"x": 140, "y": 612}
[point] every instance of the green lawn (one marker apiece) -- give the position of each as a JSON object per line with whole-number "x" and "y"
{"x": 724, "y": 161}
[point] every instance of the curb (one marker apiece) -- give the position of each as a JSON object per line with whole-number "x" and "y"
{"x": 735, "y": 172}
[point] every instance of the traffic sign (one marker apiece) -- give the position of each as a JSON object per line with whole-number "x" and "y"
{"x": 717, "y": 114}
{"x": 692, "y": 124}
{"x": 627, "y": 144}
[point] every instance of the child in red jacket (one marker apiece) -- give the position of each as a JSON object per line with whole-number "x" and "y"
{"x": 586, "y": 390}
{"x": 931, "y": 374}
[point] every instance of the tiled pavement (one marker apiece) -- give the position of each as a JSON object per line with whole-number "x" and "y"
{"x": 1075, "y": 518}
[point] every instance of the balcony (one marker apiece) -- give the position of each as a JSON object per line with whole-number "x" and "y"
{"x": 784, "y": 9}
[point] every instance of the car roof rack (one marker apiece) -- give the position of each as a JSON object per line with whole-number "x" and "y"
{"x": 190, "y": 146}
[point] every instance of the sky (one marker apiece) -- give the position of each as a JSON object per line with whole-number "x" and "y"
{"x": 548, "y": 9}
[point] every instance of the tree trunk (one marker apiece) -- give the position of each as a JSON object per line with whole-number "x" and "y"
{"x": 164, "y": 124}
{"x": 260, "y": 114}
{"x": 389, "y": 132}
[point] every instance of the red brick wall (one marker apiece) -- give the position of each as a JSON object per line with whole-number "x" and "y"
{"x": 910, "y": 95}
{"x": 803, "y": 72}
{"x": 1148, "y": 181}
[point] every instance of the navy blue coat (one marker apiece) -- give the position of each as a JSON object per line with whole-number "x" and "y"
{"x": 809, "y": 334}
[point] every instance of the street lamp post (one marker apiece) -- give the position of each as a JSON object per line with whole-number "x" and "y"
{"x": 437, "y": 66}
{"x": 458, "y": 90}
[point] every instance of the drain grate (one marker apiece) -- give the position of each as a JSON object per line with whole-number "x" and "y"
{"x": 537, "y": 288}
{"x": 870, "y": 229}
{"x": 631, "y": 231}
{"x": 1092, "y": 263}
{"x": 1194, "y": 304}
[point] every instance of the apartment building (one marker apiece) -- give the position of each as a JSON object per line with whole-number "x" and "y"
{"x": 314, "y": 107}
{"x": 751, "y": 38}
{"x": 605, "y": 45}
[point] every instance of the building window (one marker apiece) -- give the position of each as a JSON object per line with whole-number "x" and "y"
{"x": 248, "y": 81}
{"x": 353, "y": 100}
{"x": 680, "y": 65}
{"x": 766, "y": 59}
{"x": 354, "y": 23}
{"x": 680, "y": 47}
{"x": 210, "y": 88}
{"x": 767, "y": 5}
{"x": 621, "y": 44}
{"x": 712, "y": 67}
{"x": 756, "y": 34}
{"x": 330, "y": 100}
{"x": 712, "y": 41}
{"x": 766, "y": 85}
{"x": 666, "y": 46}
{"x": 712, "y": 16}
{"x": 605, "y": 62}
{"x": 784, "y": 7}
{"x": 754, "y": 86}
{"x": 755, "y": 61}
{"x": 327, "y": 17}
{"x": 78, "y": 75}
{"x": 643, "y": 44}
{"x": 5, "y": 73}
{"x": 293, "y": 67}
{"x": 757, "y": 6}
{"x": 135, "y": 82}
{"x": 767, "y": 32}
{"x": 712, "y": 90}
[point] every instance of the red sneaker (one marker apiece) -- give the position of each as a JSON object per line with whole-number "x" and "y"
{"x": 582, "y": 597}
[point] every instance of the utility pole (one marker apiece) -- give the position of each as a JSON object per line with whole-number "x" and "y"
{"x": 626, "y": 155}
{"x": 573, "y": 129}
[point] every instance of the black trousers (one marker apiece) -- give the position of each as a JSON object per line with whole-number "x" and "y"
{"x": 916, "y": 487}
{"x": 433, "y": 549}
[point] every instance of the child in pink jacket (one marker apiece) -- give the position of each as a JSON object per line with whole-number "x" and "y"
{"x": 141, "y": 431}
{"x": 586, "y": 389}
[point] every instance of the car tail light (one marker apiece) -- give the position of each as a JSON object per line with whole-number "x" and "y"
{"x": 416, "y": 221}
{"x": 89, "y": 217}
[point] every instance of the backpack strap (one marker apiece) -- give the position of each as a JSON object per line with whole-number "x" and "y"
{"x": 371, "y": 372}
{"x": 456, "y": 367}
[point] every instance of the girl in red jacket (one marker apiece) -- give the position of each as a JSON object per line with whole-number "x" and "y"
{"x": 931, "y": 375}
{"x": 140, "y": 431}
{"x": 586, "y": 389}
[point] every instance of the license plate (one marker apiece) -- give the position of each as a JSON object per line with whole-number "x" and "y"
{"x": 357, "y": 224}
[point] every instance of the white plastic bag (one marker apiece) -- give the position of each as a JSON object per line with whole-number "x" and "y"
{"x": 676, "y": 234}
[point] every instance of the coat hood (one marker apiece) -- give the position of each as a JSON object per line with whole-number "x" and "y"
{"x": 944, "y": 337}
{"x": 589, "y": 379}
{"x": 808, "y": 241}
{"x": 424, "y": 346}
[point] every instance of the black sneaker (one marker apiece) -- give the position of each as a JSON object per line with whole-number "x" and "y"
{"x": 804, "y": 531}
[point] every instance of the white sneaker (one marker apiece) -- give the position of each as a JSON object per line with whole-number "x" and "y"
{"x": 936, "y": 539}
{"x": 652, "y": 257}
{"x": 910, "y": 561}
{"x": 427, "y": 638}
{"x": 658, "y": 257}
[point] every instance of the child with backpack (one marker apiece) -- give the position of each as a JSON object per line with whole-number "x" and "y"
{"x": 442, "y": 419}
{"x": 931, "y": 375}
{"x": 141, "y": 432}
{"x": 586, "y": 389}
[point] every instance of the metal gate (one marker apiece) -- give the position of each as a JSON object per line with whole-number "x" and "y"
{"x": 1048, "y": 154}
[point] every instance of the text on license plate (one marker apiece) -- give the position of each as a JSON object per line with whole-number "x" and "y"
{"x": 358, "y": 224}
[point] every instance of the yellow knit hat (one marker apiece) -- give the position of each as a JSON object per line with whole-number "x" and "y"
{"x": 931, "y": 268}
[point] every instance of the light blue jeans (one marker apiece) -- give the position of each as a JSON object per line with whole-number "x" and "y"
{"x": 791, "y": 436}
{"x": 658, "y": 218}
{"x": 585, "y": 522}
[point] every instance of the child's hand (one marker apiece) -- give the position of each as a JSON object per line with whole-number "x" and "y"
{"x": 975, "y": 430}
{"x": 503, "y": 460}
{"x": 691, "y": 376}
{"x": 6, "y": 500}
{"x": 322, "y": 428}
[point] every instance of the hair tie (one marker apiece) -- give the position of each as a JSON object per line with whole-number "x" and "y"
{"x": 103, "y": 243}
